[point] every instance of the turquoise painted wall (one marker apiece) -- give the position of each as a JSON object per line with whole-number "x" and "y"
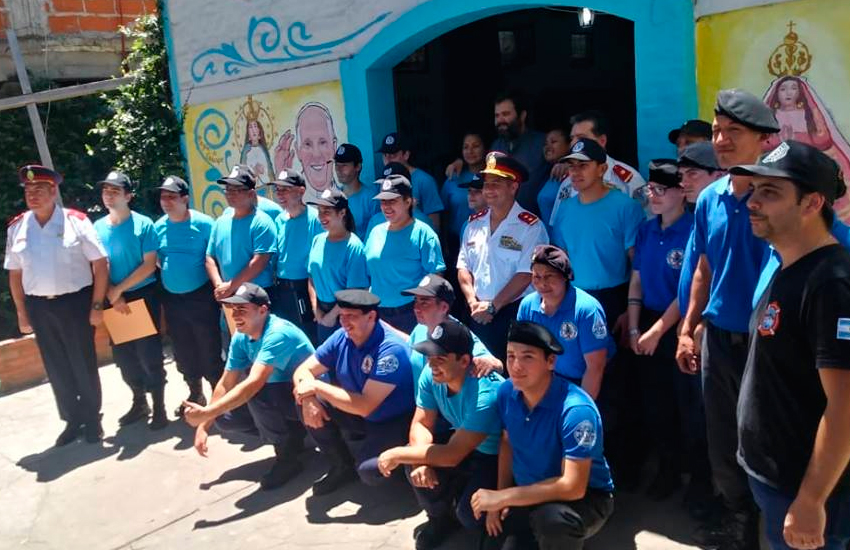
{"x": 664, "y": 65}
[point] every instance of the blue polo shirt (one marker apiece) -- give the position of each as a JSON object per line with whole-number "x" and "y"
{"x": 546, "y": 200}
{"x": 723, "y": 233}
{"x": 282, "y": 346}
{"x": 294, "y": 240}
{"x": 456, "y": 200}
{"x": 126, "y": 245}
{"x": 363, "y": 206}
{"x": 579, "y": 324}
{"x": 336, "y": 265}
{"x": 399, "y": 259}
{"x": 565, "y": 424}
{"x": 420, "y": 334}
{"x": 234, "y": 242}
{"x": 182, "y": 251}
{"x": 772, "y": 262}
{"x": 472, "y": 409}
{"x": 686, "y": 277}
{"x": 597, "y": 237}
{"x": 425, "y": 191}
{"x": 379, "y": 218}
{"x": 383, "y": 358}
{"x": 659, "y": 255}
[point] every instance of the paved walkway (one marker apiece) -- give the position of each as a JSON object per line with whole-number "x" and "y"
{"x": 143, "y": 489}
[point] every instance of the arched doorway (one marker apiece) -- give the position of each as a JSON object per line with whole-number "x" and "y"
{"x": 664, "y": 74}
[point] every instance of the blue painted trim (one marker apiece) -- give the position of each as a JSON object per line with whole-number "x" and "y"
{"x": 665, "y": 71}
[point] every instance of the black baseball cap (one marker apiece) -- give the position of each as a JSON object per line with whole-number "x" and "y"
{"x": 174, "y": 184}
{"x": 36, "y": 173}
{"x": 533, "y": 334}
{"x": 392, "y": 143}
{"x": 554, "y": 257}
{"x": 475, "y": 183}
{"x": 354, "y": 298}
{"x": 118, "y": 179}
{"x": 249, "y": 293}
{"x": 807, "y": 166}
{"x": 331, "y": 197}
{"x": 450, "y": 336}
{"x": 699, "y": 155}
{"x": 289, "y": 178}
{"x": 240, "y": 175}
{"x": 504, "y": 166}
{"x": 348, "y": 153}
{"x": 395, "y": 169}
{"x": 433, "y": 285}
{"x": 393, "y": 187}
{"x": 586, "y": 149}
{"x": 695, "y": 127}
{"x": 665, "y": 172}
{"x": 745, "y": 108}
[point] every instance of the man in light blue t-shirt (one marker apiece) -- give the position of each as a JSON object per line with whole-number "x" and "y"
{"x": 446, "y": 470}
{"x": 255, "y": 392}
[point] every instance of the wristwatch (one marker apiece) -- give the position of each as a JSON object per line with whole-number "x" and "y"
{"x": 634, "y": 332}
{"x": 97, "y": 306}
{"x": 491, "y": 309}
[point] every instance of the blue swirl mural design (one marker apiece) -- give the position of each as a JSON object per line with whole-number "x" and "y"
{"x": 212, "y": 133}
{"x": 265, "y": 44}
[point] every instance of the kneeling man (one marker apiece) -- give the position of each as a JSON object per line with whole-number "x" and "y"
{"x": 555, "y": 488}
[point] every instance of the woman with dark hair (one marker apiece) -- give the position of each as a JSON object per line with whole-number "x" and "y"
{"x": 455, "y": 197}
{"x": 557, "y": 145}
{"x": 336, "y": 262}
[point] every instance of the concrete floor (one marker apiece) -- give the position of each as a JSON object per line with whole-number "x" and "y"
{"x": 143, "y": 489}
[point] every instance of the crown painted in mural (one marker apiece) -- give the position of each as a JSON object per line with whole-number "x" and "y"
{"x": 251, "y": 109}
{"x": 791, "y": 58}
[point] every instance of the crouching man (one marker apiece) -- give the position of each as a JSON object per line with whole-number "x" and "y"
{"x": 255, "y": 392}
{"x": 445, "y": 469}
{"x": 555, "y": 488}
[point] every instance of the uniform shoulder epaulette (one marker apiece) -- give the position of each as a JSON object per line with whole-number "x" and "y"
{"x": 75, "y": 214}
{"x": 479, "y": 214}
{"x": 527, "y": 217}
{"x": 623, "y": 173}
{"x": 12, "y": 221}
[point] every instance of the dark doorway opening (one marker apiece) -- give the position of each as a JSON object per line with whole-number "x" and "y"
{"x": 446, "y": 88}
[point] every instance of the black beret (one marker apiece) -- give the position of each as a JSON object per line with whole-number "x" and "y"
{"x": 745, "y": 108}
{"x": 533, "y": 334}
{"x": 356, "y": 299}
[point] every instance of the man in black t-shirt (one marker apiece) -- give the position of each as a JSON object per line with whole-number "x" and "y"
{"x": 794, "y": 404}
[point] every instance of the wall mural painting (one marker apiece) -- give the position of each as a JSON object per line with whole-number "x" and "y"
{"x": 296, "y": 129}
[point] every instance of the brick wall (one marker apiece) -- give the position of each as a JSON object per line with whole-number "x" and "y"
{"x": 69, "y": 17}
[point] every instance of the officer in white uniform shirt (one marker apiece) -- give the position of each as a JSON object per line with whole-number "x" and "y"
{"x": 58, "y": 276}
{"x": 494, "y": 263}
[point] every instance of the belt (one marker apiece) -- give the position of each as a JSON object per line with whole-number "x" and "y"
{"x": 54, "y": 296}
{"x": 291, "y": 284}
{"x": 325, "y": 306}
{"x": 395, "y": 310}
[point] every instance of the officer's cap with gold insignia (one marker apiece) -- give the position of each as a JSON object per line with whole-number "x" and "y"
{"x": 505, "y": 166}
{"x": 36, "y": 173}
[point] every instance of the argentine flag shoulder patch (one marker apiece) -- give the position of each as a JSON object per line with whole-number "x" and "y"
{"x": 843, "y": 329}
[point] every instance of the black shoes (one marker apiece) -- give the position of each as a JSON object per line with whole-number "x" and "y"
{"x": 282, "y": 471}
{"x": 138, "y": 411}
{"x": 69, "y": 434}
{"x": 733, "y": 531}
{"x": 336, "y": 477}
{"x": 196, "y": 395}
{"x": 666, "y": 482}
{"x": 93, "y": 432}
{"x": 435, "y": 532}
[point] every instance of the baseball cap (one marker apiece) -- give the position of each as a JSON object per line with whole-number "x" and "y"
{"x": 699, "y": 155}
{"x": 118, "y": 179}
{"x": 175, "y": 185}
{"x": 433, "y": 285}
{"x": 240, "y": 175}
{"x": 805, "y": 165}
{"x": 36, "y": 173}
{"x": 450, "y": 336}
{"x": 554, "y": 257}
{"x": 475, "y": 183}
{"x": 288, "y": 178}
{"x": 331, "y": 197}
{"x": 393, "y": 187}
{"x": 392, "y": 143}
{"x": 348, "y": 153}
{"x": 745, "y": 108}
{"x": 355, "y": 298}
{"x": 665, "y": 172}
{"x": 695, "y": 127}
{"x": 504, "y": 166}
{"x": 249, "y": 293}
{"x": 586, "y": 149}
{"x": 533, "y": 334}
{"x": 396, "y": 169}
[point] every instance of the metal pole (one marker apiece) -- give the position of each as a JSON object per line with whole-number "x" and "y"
{"x": 32, "y": 110}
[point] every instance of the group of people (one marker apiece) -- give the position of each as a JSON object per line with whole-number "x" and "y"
{"x": 702, "y": 317}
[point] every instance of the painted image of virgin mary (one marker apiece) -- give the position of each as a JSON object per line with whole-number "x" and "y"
{"x": 255, "y": 152}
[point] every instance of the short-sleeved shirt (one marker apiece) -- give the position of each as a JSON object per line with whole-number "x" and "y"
{"x": 619, "y": 175}
{"x": 383, "y": 357}
{"x": 282, "y": 346}
{"x": 336, "y": 265}
{"x": 528, "y": 149}
{"x": 472, "y": 409}
{"x": 723, "y": 233}
{"x": 363, "y": 206}
{"x": 801, "y": 325}
{"x": 420, "y": 334}
{"x": 397, "y": 260}
{"x": 233, "y": 242}
{"x": 54, "y": 259}
{"x": 597, "y": 237}
{"x": 268, "y": 206}
{"x": 659, "y": 256}
{"x": 579, "y": 324}
{"x": 182, "y": 248}
{"x": 493, "y": 258}
{"x": 565, "y": 424}
{"x": 126, "y": 245}
{"x": 425, "y": 191}
{"x": 379, "y": 218}
{"x": 456, "y": 201}
{"x": 294, "y": 239}
{"x": 546, "y": 200}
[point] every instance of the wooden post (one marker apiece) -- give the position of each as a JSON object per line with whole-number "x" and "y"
{"x": 32, "y": 110}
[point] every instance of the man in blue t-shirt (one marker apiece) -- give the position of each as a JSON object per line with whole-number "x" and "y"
{"x": 359, "y": 381}
{"x": 573, "y": 315}
{"x": 425, "y": 192}
{"x": 243, "y": 240}
{"x": 557, "y": 492}
{"x": 446, "y": 468}
{"x": 191, "y": 312}
{"x": 348, "y": 163}
{"x": 130, "y": 242}
{"x": 255, "y": 392}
